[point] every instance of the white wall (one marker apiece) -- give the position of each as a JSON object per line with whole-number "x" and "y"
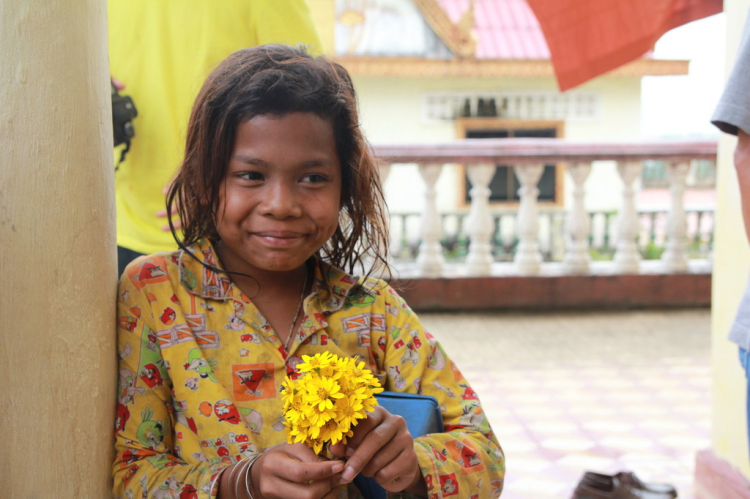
{"x": 391, "y": 112}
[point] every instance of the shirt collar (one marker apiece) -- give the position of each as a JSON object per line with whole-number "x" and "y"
{"x": 331, "y": 286}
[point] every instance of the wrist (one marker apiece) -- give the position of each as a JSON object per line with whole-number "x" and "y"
{"x": 418, "y": 485}
{"x": 252, "y": 479}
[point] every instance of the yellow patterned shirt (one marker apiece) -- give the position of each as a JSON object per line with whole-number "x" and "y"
{"x": 200, "y": 370}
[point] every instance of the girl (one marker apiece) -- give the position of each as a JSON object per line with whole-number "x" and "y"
{"x": 277, "y": 194}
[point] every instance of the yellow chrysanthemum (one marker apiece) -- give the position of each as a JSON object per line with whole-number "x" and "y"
{"x": 327, "y": 400}
{"x": 315, "y": 362}
{"x": 322, "y": 392}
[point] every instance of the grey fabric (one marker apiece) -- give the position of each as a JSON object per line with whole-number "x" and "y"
{"x": 733, "y": 110}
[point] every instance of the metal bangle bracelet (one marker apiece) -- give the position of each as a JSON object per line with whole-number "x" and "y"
{"x": 248, "y": 476}
{"x": 238, "y": 468}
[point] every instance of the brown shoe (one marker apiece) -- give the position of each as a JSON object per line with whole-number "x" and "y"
{"x": 623, "y": 485}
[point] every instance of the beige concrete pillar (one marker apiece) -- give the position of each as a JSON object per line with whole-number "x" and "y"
{"x": 57, "y": 251}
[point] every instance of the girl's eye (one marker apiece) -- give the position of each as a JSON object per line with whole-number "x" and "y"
{"x": 252, "y": 176}
{"x": 314, "y": 178}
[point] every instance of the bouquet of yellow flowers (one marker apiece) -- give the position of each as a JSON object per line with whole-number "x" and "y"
{"x": 328, "y": 398}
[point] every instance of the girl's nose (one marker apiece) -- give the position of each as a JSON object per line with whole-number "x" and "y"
{"x": 281, "y": 201}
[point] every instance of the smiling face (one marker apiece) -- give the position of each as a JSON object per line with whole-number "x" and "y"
{"x": 280, "y": 199}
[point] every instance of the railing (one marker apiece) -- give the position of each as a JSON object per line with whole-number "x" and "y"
{"x": 405, "y": 234}
{"x": 478, "y": 246}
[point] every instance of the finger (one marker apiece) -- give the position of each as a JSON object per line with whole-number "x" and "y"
{"x": 175, "y": 223}
{"x": 163, "y": 213}
{"x": 337, "y": 450}
{"x": 399, "y": 473}
{"x": 118, "y": 84}
{"x": 305, "y": 473}
{"x": 364, "y": 427}
{"x": 334, "y": 492}
{"x": 375, "y": 440}
{"x": 385, "y": 455}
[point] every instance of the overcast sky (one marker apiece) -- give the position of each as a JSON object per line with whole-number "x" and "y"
{"x": 680, "y": 106}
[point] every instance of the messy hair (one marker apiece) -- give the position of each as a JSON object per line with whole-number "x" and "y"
{"x": 276, "y": 80}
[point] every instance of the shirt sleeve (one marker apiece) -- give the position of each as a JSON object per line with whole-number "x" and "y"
{"x": 466, "y": 460}
{"x": 733, "y": 111}
{"x": 146, "y": 463}
{"x": 288, "y": 22}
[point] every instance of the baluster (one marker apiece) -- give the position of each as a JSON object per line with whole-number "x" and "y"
{"x": 578, "y": 225}
{"x": 384, "y": 169}
{"x": 528, "y": 257}
{"x": 430, "y": 259}
{"x": 479, "y": 260}
{"x": 675, "y": 254}
{"x": 627, "y": 258}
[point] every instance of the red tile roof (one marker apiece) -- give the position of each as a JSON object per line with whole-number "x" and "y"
{"x": 506, "y": 29}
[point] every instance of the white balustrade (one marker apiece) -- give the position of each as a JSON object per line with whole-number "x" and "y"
{"x": 430, "y": 258}
{"x": 675, "y": 254}
{"x": 528, "y": 257}
{"x": 479, "y": 259}
{"x": 577, "y": 224}
{"x": 480, "y": 158}
{"x": 627, "y": 258}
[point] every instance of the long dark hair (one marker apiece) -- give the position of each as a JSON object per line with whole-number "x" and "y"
{"x": 276, "y": 80}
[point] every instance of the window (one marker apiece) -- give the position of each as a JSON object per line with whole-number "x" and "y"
{"x": 504, "y": 185}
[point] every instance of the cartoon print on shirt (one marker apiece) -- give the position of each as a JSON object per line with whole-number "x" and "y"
{"x": 150, "y": 433}
{"x": 395, "y": 374}
{"x": 180, "y": 409}
{"x": 248, "y": 450}
{"x": 192, "y": 383}
{"x": 225, "y": 410}
{"x": 449, "y": 485}
{"x": 204, "y": 367}
{"x": 161, "y": 461}
{"x": 167, "y": 489}
{"x": 253, "y": 418}
{"x": 279, "y": 424}
{"x": 444, "y": 388}
{"x": 250, "y": 338}
{"x": 127, "y": 323}
{"x": 127, "y": 387}
{"x": 410, "y": 352}
{"x": 437, "y": 355}
{"x": 123, "y": 414}
{"x": 235, "y": 322}
{"x": 251, "y": 379}
{"x": 168, "y": 316}
{"x": 469, "y": 393}
{"x": 188, "y": 492}
{"x": 126, "y": 350}
{"x": 473, "y": 416}
{"x": 187, "y": 278}
{"x": 151, "y": 376}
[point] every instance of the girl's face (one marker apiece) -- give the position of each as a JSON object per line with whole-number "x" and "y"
{"x": 279, "y": 202}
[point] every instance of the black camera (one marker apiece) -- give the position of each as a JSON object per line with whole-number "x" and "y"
{"x": 123, "y": 112}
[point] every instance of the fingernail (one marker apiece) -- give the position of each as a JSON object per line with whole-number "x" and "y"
{"x": 337, "y": 467}
{"x": 349, "y": 452}
{"x": 348, "y": 475}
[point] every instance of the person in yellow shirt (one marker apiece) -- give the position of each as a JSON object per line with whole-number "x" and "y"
{"x": 283, "y": 204}
{"x": 162, "y": 51}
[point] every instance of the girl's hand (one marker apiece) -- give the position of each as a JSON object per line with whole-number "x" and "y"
{"x": 383, "y": 448}
{"x": 294, "y": 470}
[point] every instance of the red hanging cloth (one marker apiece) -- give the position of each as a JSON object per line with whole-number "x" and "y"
{"x": 588, "y": 38}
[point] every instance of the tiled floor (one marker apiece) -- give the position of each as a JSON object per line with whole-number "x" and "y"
{"x": 600, "y": 391}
